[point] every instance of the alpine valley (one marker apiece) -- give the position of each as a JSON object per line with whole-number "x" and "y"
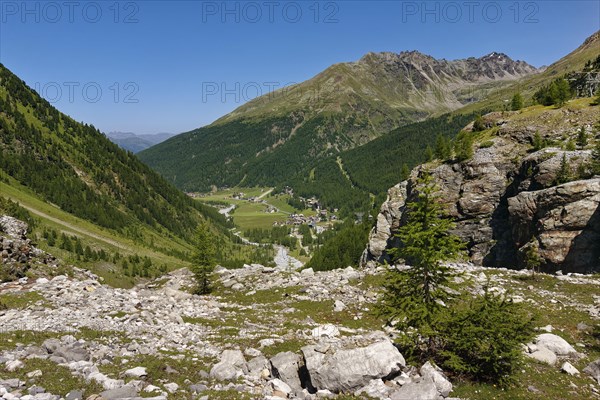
{"x": 398, "y": 227}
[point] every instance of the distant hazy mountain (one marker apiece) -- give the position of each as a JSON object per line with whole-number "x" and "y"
{"x": 136, "y": 143}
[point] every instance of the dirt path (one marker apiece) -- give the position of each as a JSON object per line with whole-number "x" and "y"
{"x": 76, "y": 229}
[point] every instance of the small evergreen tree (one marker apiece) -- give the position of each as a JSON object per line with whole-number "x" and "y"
{"x": 563, "y": 92}
{"x": 412, "y": 297}
{"x": 203, "y": 258}
{"x": 532, "y": 259}
{"x": 582, "y": 138}
{"x": 405, "y": 172}
{"x": 428, "y": 153}
{"x": 517, "y": 102}
{"x": 570, "y": 146}
{"x": 538, "y": 142}
{"x": 463, "y": 146}
{"x": 564, "y": 172}
{"x": 478, "y": 124}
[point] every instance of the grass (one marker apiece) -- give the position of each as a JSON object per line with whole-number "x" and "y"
{"x": 252, "y": 215}
{"x": 52, "y": 217}
{"x": 19, "y": 301}
{"x": 55, "y": 379}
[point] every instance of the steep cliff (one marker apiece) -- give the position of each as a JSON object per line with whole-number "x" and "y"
{"x": 511, "y": 194}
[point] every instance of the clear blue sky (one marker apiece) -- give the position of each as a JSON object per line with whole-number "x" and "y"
{"x": 173, "y": 58}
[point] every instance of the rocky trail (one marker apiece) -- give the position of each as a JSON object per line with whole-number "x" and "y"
{"x": 264, "y": 333}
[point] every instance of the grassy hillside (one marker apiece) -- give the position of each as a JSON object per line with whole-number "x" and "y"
{"x": 84, "y": 191}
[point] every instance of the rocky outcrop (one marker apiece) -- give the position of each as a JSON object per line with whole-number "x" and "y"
{"x": 505, "y": 198}
{"x": 346, "y": 370}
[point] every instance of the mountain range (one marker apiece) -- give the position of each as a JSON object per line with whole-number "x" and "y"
{"x": 325, "y": 132}
{"x": 137, "y": 142}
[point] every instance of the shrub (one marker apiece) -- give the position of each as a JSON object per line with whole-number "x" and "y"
{"x": 482, "y": 340}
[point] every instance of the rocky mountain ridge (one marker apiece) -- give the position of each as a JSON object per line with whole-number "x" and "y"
{"x": 273, "y": 137}
{"x": 505, "y": 198}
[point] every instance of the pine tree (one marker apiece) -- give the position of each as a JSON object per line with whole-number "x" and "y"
{"x": 405, "y": 172}
{"x": 532, "y": 259}
{"x": 463, "y": 146}
{"x": 517, "y": 102}
{"x": 538, "y": 142}
{"x": 563, "y": 92}
{"x": 203, "y": 258}
{"x": 570, "y": 146}
{"x": 412, "y": 297}
{"x": 564, "y": 172}
{"x": 582, "y": 138}
{"x": 478, "y": 124}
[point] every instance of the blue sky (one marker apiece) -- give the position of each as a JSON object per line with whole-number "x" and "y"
{"x": 172, "y": 66}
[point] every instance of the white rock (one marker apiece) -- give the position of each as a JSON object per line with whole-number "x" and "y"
{"x": 231, "y": 366}
{"x": 351, "y": 369}
{"x": 327, "y": 330}
{"x": 569, "y": 369}
{"x": 442, "y": 384}
{"x": 555, "y": 344}
{"x": 339, "y": 306}
{"x": 137, "y": 372}
{"x": 280, "y": 385}
{"x": 12, "y": 366}
{"x": 544, "y": 355}
{"x": 307, "y": 272}
{"x": 171, "y": 387}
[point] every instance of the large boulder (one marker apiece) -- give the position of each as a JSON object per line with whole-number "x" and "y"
{"x": 286, "y": 366}
{"x": 346, "y": 370}
{"x": 555, "y": 344}
{"x": 593, "y": 369}
{"x": 231, "y": 366}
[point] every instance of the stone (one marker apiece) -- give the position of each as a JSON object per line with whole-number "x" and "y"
{"x": 137, "y": 372}
{"x": 375, "y": 389}
{"x": 569, "y": 369}
{"x": 198, "y": 388}
{"x": 339, "y": 306}
{"x": 442, "y": 384}
{"x": 346, "y": 370}
{"x": 123, "y": 392}
{"x": 593, "y": 369}
{"x": 281, "y": 386}
{"x": 327, "y": 330}
{"x": 425, "y": 389}
{"x": 544, "y": 355}
{"x": 171, "y": 387}
{"x": 231, "y": 365}
{"x": 257, "y": 365}
{"x": 74, "y": 395}
{"x": 286, "y": 366}
{"x": 555, "y": 344}
{"x": 307, "y": 272}
{"x": 12, "y": 366}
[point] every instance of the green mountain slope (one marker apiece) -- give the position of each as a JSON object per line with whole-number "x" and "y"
{"x": 76, "y": 167}
{"x": 270, "y": 138}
